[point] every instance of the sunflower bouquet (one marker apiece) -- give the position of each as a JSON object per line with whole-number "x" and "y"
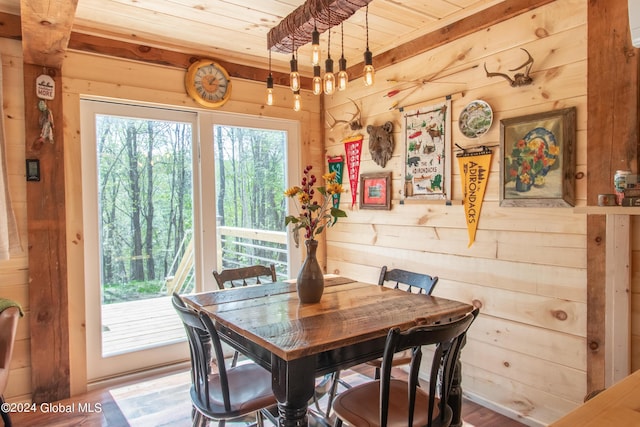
{"x": 315, "y": 210}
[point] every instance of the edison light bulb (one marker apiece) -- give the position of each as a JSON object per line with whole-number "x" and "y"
{"x": 329, "y": 79}
{"x": 317, "y": 81}
{"x": 296, "y": 101}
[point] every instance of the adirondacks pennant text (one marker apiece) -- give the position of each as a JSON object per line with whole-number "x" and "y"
{"x": 474, "y": 169}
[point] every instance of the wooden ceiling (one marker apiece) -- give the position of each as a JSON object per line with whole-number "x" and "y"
{"x": 229, "y": 30}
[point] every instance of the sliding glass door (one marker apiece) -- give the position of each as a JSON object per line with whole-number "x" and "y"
{"x": 138, "y": 196}
{"x": 169, "y": 196}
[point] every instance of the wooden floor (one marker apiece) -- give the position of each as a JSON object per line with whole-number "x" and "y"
{"x": 164, "y": 401}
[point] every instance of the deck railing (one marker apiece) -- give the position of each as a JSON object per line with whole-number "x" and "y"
{"x": 237, "y": 247}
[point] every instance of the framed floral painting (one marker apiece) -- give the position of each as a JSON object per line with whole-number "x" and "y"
{"x": 375, "y": 190}
{"x": 538, "y": 159}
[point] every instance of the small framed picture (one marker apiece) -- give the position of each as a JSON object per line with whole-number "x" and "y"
{"x": 375, "y": 190}
{"x": 538, "y": 159}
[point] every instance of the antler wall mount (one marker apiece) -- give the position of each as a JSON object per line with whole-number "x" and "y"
{"x": 355, "y": 123}
{"x": 518, "y": 79}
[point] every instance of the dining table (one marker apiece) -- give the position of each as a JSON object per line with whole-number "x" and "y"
{"x": 299, "y": 342}
{"x": 616, "y": 406}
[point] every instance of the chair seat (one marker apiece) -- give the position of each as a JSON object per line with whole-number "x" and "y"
{"x": 249, "y": 391}
{"x": 360, "y": 407}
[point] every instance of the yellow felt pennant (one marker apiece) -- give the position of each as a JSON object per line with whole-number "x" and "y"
{"x": 474, "y": 168}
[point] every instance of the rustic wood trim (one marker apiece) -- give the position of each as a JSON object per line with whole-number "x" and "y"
{"x": 618, "y": 299}
{"x": 154, "y": 55}
{"x": 477, "y": 22}
{"x": 10, "y": 26}
{"x": 46, "y": 231}
{"x": 612, "y": 126}
{"x": 45, "y": 30}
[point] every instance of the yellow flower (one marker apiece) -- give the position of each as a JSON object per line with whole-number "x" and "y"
{"x": 304, "y": 198}
{"x": 331, "y": 176}
{"x": 334, "y": 188}
{"x": 315, "y": 205}
{"x": 292, "y": 191}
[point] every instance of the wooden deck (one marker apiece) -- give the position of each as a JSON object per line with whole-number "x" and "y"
{"x": 136, "y": 325}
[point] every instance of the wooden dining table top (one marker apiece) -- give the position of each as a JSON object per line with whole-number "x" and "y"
{"x": 618, "y": 405}
{"x": 350, "y": 311}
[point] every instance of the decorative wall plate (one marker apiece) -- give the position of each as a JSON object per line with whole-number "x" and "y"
{"x": 475, "y": 119}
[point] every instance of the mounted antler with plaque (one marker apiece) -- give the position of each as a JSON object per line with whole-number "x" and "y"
{"x": 354, "y": 123}
{"x": 519, "y": 79}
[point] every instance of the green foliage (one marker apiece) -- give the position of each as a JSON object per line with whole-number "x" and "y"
{"x": 145, "y": 182}
{"x": 144, "y": 186}
{"x": 121, "y": 292}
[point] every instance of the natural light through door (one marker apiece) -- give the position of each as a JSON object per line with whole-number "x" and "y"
{"x": 139, "y": 198}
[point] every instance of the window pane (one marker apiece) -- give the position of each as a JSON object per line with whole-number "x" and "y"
{"x": 250, "y": 183}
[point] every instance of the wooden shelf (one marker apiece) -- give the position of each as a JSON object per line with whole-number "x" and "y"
{"x": 606, "y": 210}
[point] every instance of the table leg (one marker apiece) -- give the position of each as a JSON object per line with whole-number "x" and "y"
{"x": 293, "y": 385}
{"x": 455, "y": 396}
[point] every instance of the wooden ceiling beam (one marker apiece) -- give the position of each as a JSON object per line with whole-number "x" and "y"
{"x": 10, "y": 26}
{"x": 138, "y": 52}
{"x": 46, "y": 28}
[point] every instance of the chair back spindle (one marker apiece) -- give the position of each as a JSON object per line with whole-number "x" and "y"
{"x": 243, "y": 276}
{"x": 423, "y": 283}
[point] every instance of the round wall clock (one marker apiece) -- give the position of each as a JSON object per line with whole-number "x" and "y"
{"x": 207, "y": 82}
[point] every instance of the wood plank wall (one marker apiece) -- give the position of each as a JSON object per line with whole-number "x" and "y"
{"x": 14, "y": 271}
{"x": 526, "y": 354}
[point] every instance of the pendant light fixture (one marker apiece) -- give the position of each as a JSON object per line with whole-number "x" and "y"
{"x": 270, "y": 83}
{"x": 343, "y": 77}
{"x": 296, "y": 100}
{"x": 315, "y": 45}
{"x": 294, "y": 76}
{"x": 369, "y": 72}
{"x": 317, "y": 80}
{"x": 329, "y": 79}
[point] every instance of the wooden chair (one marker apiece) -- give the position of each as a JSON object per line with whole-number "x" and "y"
{"x": 233, "y": 277}
{"x": 230, "y": 394}
{"x": 405, "y": 280}
{"x": 410, "y": 282}
{"x": 393, "y": 402}
{"x": 421, "y": 283}
{"x": 8, "y": 327}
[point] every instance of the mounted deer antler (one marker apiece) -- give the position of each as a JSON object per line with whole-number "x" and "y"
{"x": 519, "y": 79}
{"x": 354, "y": 123}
